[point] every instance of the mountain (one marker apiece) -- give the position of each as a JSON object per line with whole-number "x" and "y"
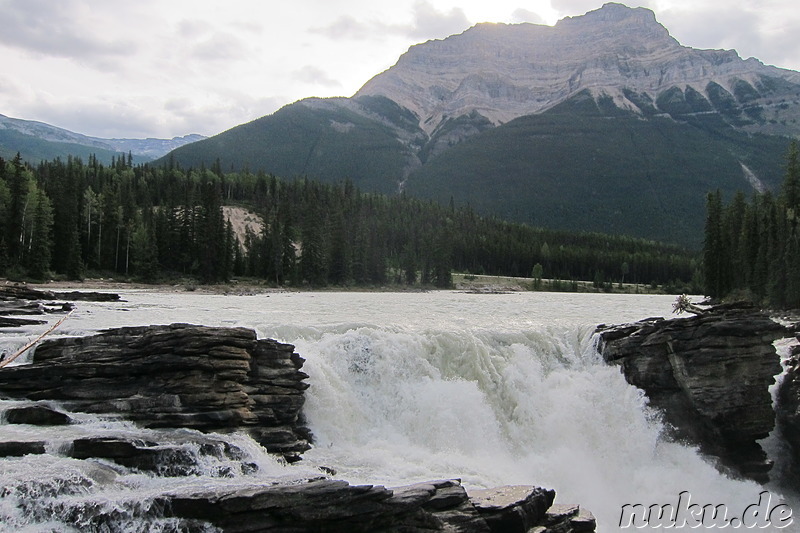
{"x": 38, "y": 141}
{"x": 506, "y": 71}
{"x": 559, "y": 126}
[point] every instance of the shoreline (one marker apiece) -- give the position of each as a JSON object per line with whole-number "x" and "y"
{"x": 479, "y": 284}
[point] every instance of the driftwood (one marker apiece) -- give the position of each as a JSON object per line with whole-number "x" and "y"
{"x": 6, "y": 361}
{"x": 683, "y": 303}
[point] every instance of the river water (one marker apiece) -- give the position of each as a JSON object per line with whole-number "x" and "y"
{"x": 493, "y": 389}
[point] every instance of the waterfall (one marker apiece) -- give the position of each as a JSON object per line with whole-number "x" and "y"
{"x": 491, "y": 389}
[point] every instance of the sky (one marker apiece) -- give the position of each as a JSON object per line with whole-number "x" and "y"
{"x": 166, "y": 68}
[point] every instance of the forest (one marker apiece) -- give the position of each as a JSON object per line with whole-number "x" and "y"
{"x": 158, "y": 223}
{"x": 752, "y": 247}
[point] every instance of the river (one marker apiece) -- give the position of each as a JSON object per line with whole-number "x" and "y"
{"x": 493, "y": 389}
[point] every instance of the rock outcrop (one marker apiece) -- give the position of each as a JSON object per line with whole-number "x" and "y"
{"x": 336, "y": 506}
{"x": 788, "y": 410}
{"x": 710, "y": 375}
{"x": 18, "y": 300}
{"x": 23, "y": 292}
{"x": 204, "y": 378}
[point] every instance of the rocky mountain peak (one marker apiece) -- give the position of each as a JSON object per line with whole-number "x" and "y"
{"x": 503, "y": 71}
{"x": 613, "y": 12}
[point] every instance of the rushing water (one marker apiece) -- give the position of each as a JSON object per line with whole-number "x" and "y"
{"x": 493, "y": 388}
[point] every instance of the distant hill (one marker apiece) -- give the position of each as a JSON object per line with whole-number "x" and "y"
{"x": 603, "y": 122}
{"x": 36, "y": 141}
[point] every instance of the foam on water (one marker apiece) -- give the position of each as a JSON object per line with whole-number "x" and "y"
{"x": 539, "y": 408}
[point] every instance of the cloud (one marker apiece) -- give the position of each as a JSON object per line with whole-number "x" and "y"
{"x": 426, "y": 23}
{"x": 9, "y": 89}
{"x": 95, "y": 118}
{"x": 431, "y": 23}
{"x": 347, "y": 27}
{"x": 313, "y": 75}
{"x": 523, "y": 15}
{"x": 58, "y": 29}
{"x": 219, "y": 47}
{"x": 712, "y": 28}
{"x": 767, "y": 34}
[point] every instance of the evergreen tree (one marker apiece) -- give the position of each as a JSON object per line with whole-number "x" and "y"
{"x": 791, "y": 183}
{"x": 713, "y": 250}
{"x": 73, "y": 266}
{"x": 41, "y": 242}
{"x": 18, "y": 196}
{"x": 144, "y": 252}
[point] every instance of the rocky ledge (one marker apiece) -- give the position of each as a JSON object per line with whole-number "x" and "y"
{"x": 23, "y": 300}
{"x": 710, "y": 376}
{"x": 23, "y": 292}
{"x": 177, "y": 376}
{"x": 336, "y": 506}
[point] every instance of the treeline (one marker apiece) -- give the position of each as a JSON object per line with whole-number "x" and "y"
{"x": 67, "y": 218}
{"x": 752, "y": 249}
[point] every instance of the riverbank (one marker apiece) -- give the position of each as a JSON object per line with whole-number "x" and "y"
{"x": 462, "y": 282}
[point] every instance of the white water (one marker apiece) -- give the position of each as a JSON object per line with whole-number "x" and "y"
{"x": 492, "y": 389}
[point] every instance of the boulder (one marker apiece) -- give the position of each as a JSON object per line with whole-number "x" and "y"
{"x": 20, "y": 448}
{"x": 36, "y": 415}
{"x": 710, "y": 375}
{"x": 513, "y": 508}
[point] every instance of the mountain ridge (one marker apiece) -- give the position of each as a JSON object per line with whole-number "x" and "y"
{"x": 523, "y": 69}
{"x": 54, "y": 138}
{"x": 543, "y": 125}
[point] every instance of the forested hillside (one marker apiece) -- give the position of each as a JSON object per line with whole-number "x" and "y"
{"x": 752, "y": 248}
{"x": 67, "y": 218}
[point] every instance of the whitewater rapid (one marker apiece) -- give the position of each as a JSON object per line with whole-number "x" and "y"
{"x": 493, "y": 389}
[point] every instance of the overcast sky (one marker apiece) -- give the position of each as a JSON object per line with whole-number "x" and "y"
{"x": 164, "y": 68}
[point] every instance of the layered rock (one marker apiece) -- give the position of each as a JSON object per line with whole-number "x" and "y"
{"x": 18, "y": 300}
{"x": 23, "y": 292}
{"x": 710, "y": 375}
{"x": 204, "y": 378}
{"x": 336, "y": 506}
